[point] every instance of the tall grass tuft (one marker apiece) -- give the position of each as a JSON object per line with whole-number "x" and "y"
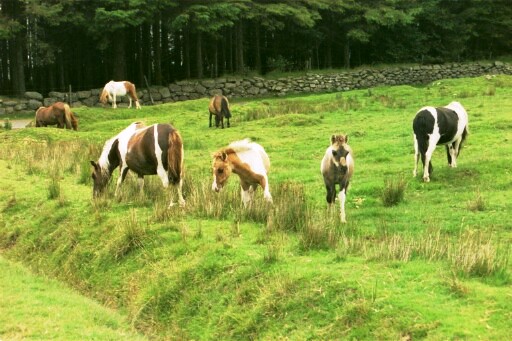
{"x": 476, "y": 255}
{"x": 129, "y": 235}
{"x": 394, "y": 191}
{"x": 490, "y": 91}
{"x": 478, "y": 203}
{"x": 290, "y": 211}
{"x": 54, "y": 191}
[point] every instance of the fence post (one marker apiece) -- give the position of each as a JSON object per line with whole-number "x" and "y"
{"x": 149, "y": 91}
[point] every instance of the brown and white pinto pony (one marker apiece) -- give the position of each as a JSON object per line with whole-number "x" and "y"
{"x": 219, "y": 106}
{"x": 157, "y": 149}
{"x": 249, "y": 161}
{"x": 446, "y": 125}
{"x": 113, "y": 89}
{"x": 58, "y": 114}
{"x": 337, "y": 167}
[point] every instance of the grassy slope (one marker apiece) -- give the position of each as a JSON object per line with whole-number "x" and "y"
{"x": 40, "y": 309}
{"x": 194, "y": 275}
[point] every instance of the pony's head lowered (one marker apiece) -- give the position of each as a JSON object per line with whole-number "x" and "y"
{"x": 103, "y": 169}
{"x": 221, "y": 168}
{"x": 340, "y": 149}
{"x": 104, "y": 96}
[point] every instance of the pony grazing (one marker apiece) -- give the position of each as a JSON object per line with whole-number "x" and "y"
{"x": 58, "y": 114}
{"x": 219, "y": 106}
{"x": 113, "y": 89}
{"x": 157, "y": 149}
{"x": 249, "y": 161}
{"x": 436, "y": 126}
{"x": 337, "y": 167}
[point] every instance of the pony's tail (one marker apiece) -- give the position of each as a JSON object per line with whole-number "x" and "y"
{"x": 224, "y": 108}
{"x": 67, "y": 116}
{"x": 175, "y": 157}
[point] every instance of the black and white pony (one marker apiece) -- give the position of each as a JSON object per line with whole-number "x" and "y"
{"x": 157, "y": 149}
{"x": 337, "y": 167}
{"x": 437, "y": 126}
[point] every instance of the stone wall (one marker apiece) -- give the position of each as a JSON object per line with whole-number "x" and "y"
{"x": 257, "y": 86}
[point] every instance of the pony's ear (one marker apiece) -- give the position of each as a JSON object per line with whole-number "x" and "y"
{"x": 94, "y": 164}
{"x": 346, "y": 138}
{"x": 333, "y": 139}
{"x": 223, "y": 156}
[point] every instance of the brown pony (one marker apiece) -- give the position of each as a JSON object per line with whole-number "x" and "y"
{"x": 219, "y": 106}
{"x": 249, "y": 161}
{"x": 58, "y": 114}
{"x": 157, "y": 149}
{"x": 113, "y": 89}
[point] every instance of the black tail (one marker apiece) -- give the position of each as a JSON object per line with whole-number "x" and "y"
{"x": 224, "y": 108}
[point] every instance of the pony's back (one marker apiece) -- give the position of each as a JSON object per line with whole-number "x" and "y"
{"x": 249, "y": 152}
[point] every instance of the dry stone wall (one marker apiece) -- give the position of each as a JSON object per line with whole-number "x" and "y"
{"x": 257, "y": 86}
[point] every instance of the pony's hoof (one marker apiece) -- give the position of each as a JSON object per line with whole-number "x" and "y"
{"x": 426, "y": 179}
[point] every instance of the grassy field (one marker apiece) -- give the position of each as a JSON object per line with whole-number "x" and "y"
{"x": 35, "y": 308}
{"x": 435, "y": 264}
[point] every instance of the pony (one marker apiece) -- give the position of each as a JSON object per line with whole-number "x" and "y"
{"x": 446, "y": 125}
{"x": 145, "y": 150}
{"x": 219, "y": 106}
{"x": 337, "y": 167}
{"x": 249, "y": 161}
{"x": 119, "y": 89}
{"x": 58, "y": 114}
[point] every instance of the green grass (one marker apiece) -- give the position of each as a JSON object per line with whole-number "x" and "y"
{"x": 36, "y": 308}
{"x": 436, "y": 257}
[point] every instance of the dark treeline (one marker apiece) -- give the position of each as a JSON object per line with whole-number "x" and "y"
{"x": 48, "y": 45}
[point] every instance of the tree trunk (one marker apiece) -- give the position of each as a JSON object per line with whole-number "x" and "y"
{"x": 4, "y": 73}
{"x": 186, "y": 52}
{"x": 118, "y": 61}
{"x": 230, "y": 51}
{"x": 199, "y": 55}
{"x": 158, "y": 51}
{"x": 240, "y": 47}
{"x": 346, "y": 53}
{"x": 216, "y": 60}
{"x": 13, "y": 10}
{"x": 140, "y": 51}
{"x": 257, "y": 49}
{"x": 165, "y": 62}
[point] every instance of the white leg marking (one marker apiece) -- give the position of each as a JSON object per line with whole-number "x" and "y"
{"x": 428, "y": 155}
{"x": 266, "y": 191}
{"x": 130, "y": 105}
{"x": 341, "y": 197}
{"x": 246, "y": 197}
{"x": 137, "y": 104}
{"x": 140, "y": 182}
{"x": 114, "y": 104}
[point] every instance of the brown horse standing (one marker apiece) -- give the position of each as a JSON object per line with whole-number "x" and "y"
{"x": 219, "y": 106}
{"x": 58, "y": 114}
